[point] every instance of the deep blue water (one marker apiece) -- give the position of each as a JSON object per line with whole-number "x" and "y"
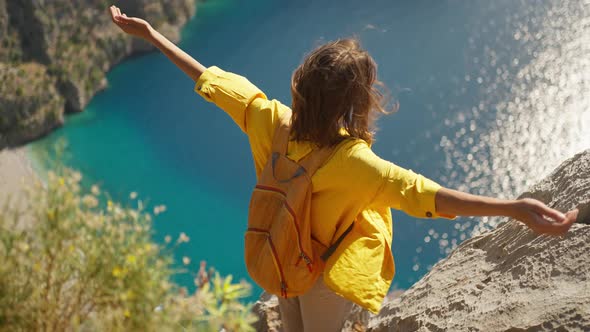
{"x": 458, "y": 68}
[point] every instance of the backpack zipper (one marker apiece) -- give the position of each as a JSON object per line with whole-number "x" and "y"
{"x": 278, "y": 267}
{"x": 307, "y": 260}
{"x": 302, "y": 254}
{"x": 275, "y": 259}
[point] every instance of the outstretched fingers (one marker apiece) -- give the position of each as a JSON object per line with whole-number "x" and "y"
{"x": 570, "y": 218}
{"x": 545, "y": 226}
{"x": 117, "y": 16}
{"x": 549, "y": 212}
{"x": 114, "y": 13}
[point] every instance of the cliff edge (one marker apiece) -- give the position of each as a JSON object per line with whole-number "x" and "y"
{"x": 506, "y": 279}
{"x": 54, "y": 56}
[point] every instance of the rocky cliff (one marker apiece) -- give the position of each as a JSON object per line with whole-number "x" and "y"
{"x": 54, "y": 56}
{"x": 507, "y": 279}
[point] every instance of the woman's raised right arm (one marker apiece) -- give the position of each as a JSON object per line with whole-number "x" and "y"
{"x": 142, "y": 29}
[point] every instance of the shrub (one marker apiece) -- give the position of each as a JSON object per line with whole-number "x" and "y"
{"x": 73, "y": 260}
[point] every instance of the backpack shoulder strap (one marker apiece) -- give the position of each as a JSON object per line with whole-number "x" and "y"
{"x": 280, "y": 141}
{"x": 317, "y": 158}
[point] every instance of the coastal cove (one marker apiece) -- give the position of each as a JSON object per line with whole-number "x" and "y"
{"x": 486, "y": 106}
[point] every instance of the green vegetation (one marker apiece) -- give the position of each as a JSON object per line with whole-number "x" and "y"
{"x": 74, "y": 260}
{"x": 58, "y": 56}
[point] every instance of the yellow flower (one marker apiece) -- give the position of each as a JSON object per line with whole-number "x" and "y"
{"x": 61, "y": 181}
{"x": 71, "y": 248}
{"x": 118, "y": 272}
{"x": 127, "y": 313}
{"x": 128, "y": 295}
{"x": 131, "y": 259}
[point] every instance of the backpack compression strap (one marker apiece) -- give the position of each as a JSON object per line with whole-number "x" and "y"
{"x": 280, "y": 141}
{"x": 335, "y": 245}
{"x": 280, "y": 145}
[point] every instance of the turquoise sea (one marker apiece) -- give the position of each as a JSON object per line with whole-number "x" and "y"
{"x": 493, "y": 94}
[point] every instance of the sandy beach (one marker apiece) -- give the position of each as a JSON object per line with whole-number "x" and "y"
{"x": 16, "y": 173}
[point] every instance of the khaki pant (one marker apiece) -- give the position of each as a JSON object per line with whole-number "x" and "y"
{"x": 318, "y": 310}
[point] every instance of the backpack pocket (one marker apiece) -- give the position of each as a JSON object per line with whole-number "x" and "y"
{"x": 264, "y": 265}
{"x": 274, "y": 254}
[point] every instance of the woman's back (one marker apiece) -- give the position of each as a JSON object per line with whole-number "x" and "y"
{"x": 354, "y": 184}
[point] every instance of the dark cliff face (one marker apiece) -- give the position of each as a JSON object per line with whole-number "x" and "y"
{"x": 54, "y": 56}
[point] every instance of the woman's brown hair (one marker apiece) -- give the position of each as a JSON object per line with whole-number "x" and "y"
{"x": 336, "y": 87}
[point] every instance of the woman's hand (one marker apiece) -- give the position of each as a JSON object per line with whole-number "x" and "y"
{"x": 131, "y": 25}
{"x": 541, "y": 218}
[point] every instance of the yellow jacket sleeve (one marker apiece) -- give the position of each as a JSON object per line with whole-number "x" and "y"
{"x": 412, "y": 193}
{"x": 230, "y": 92}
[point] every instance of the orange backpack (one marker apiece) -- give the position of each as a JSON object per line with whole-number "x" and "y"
{"x": 281, "y": 255}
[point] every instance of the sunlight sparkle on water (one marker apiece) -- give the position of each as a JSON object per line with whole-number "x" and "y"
{"x": 534, "y": 107}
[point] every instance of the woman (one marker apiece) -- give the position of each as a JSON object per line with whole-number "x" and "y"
{"x": 334, "y": 99}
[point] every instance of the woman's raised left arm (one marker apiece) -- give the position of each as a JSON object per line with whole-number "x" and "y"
{"x": 533, "y": 213}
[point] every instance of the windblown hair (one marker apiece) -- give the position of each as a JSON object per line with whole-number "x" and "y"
{"x": 336, "y": 87}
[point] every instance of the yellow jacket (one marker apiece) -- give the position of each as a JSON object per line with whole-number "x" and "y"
{"x": 355, "y": 184}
